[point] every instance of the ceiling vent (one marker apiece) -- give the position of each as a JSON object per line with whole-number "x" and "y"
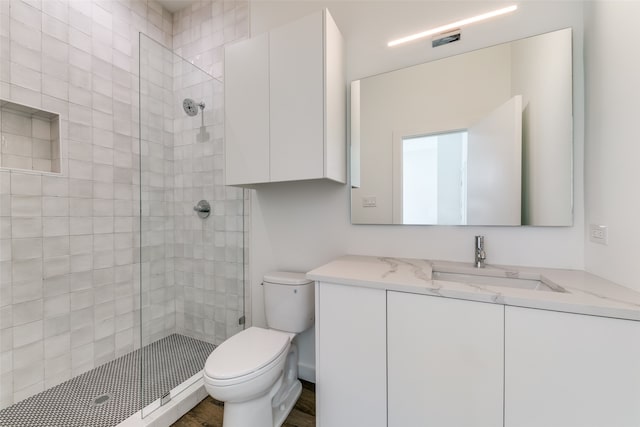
{"x": 445, "y": 38}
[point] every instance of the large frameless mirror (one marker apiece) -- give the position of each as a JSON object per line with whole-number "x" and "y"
{"x": 482, "y": 138}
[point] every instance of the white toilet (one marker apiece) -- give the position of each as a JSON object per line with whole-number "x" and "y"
{"x": 255, "y": 372}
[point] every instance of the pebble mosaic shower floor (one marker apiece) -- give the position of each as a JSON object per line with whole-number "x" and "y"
{"x": 110, "y": 393}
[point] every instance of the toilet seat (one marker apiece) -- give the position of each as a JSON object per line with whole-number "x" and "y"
{"x": 245, "y": 356}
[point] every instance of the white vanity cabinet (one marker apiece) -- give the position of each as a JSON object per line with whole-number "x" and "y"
{"x": 396, "y": 349}
{"x": 285, "y": 104}
{"x": 570, "y": 370}
{"x": 445, "y": 361}
{"x": 351, "y": 384}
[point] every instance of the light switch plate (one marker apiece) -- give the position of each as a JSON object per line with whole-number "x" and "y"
{"x": 598, "y": 234}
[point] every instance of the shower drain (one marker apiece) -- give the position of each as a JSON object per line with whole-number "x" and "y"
{"x": 101, "y": 400}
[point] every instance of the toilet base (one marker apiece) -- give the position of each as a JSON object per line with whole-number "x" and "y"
{"x": 261, "y": 412}
{"x": 252, "y": 413}
{"x": 272, "y": 408}
{"x": 289, "y": 398}
{"x": 290, "y": 390}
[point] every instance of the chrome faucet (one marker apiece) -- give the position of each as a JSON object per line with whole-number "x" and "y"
{"x": 481, "y": 256}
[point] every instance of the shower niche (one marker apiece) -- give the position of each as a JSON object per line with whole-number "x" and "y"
{"x": 29, "y": 138}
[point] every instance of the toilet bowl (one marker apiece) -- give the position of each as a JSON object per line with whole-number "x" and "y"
{"x": 255, "y": 372}
{"x": 247, "y": 364}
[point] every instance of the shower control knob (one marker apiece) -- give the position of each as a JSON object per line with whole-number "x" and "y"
{"x": 203, "y": 209}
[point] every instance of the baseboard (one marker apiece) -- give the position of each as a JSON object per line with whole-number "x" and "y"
{"x": 307, "y": 372}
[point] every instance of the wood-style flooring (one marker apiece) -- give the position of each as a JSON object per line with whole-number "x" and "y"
{"x": 208, "y": 413}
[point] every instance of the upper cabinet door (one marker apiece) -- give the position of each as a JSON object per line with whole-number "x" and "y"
{"x": 247, "y": 111}
{"x": 297, "y": 99}
{"x": 570, "y": 370}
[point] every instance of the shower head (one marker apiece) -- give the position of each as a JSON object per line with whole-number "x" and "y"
{"x": 190, "y": 107}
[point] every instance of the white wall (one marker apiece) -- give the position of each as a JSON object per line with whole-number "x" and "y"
{"x": 299, "y": 226}
{"x": 612, "y": 67}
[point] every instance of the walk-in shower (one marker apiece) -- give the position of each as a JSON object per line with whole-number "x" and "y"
{"x": 191, "y": 266}
{"x": 160, "y": 286}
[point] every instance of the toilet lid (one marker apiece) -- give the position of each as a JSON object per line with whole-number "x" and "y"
{"x": 245, "y": 353}
{"x": 286, "y": 278}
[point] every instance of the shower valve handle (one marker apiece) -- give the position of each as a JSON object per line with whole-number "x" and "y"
{"x": 203, "y": 209}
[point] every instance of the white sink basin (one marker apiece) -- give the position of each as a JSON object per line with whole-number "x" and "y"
{"x": 510, "y": 282}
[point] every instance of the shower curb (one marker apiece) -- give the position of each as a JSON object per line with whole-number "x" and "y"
{"x": 185, "y": 399}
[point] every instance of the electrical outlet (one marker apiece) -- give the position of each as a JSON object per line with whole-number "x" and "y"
{"x": 598, "y": 234}
{"x": 369, "y": 202}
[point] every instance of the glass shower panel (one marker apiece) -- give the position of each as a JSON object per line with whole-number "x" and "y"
{"x": 191, "y": 263}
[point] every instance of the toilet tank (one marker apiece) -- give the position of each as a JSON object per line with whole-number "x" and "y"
{"x": 289, "y": 301}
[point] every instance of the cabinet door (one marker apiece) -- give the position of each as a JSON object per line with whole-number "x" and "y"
{"x": 350, "y": 356}
{"x": 297, "y": 99}
{"x": 570, "y": 370}
{"x": 445, "y": 362}
{"x": 247, "y": 111}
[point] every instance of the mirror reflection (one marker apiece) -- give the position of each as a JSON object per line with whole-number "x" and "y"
{"x": 483, "y": 138}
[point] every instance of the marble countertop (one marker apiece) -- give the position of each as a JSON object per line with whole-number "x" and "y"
{"x": 572, "y": 291}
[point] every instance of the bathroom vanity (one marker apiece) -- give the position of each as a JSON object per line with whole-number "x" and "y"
{"x": 406, "y": 342}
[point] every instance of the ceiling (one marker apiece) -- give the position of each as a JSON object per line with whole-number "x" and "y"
{"x": 175, "y": 5}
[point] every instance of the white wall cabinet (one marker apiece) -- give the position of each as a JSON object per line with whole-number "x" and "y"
{"x": 351, "y": 388}
{"x": 445, "y": 361}
{"x": 285, "y": 104}
{"x": 570, "y": 370}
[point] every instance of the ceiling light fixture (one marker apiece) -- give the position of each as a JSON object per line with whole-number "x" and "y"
{"x": 453, "y": 25}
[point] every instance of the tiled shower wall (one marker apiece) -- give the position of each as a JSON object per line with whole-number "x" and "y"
{"x": 156, "y": 162}
{"x": 68, "y": 278}
{"x": 192, "y": 268}
{"x": 209, "y": 268}
{"x": 69, "y": 265}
